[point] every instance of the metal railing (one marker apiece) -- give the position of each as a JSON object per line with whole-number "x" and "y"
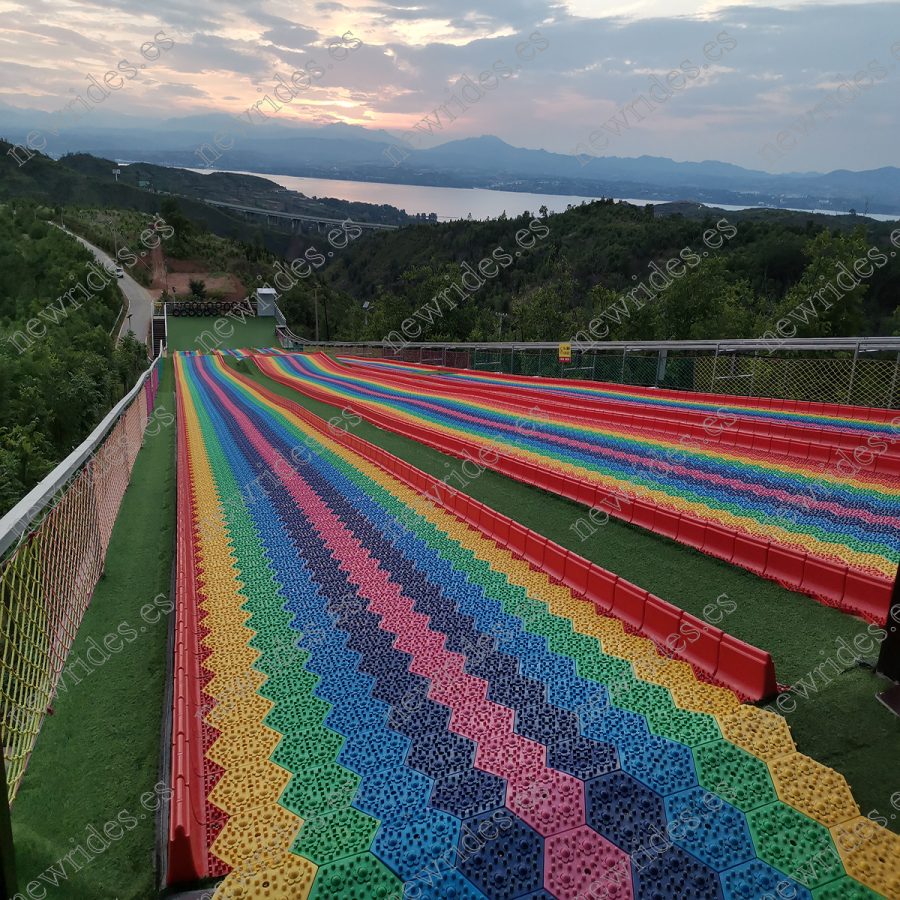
{"x": 856, "y": 371}
{"x": 53, "y": 546}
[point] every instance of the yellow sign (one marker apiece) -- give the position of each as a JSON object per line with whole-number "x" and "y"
{"x": 565, "y": 353}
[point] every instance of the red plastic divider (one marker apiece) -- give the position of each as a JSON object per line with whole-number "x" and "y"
{"x": 555, "y": 561}
{"x": 867, "y": 596}
{"x": 825, "y": 580}
{"x": 750, "y": 552}
{"x": 666, "y": 523}
{"x": 601, "y": 589}
{"x": 577, "y": 573}
{"x": 785, "y": 565}
{"x": 535, "y": 546}
{"x": 661, "y": 621}
{"x": 187, "y": 850}
{"x": 701, "y": 647}
{"x": 629, "y": 602}
{"x": 719, "y": 542}
{"x": 691, "y": 532}
{"x": 743, "y": 668}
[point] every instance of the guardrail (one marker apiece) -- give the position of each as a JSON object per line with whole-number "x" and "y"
{"x": 53, "y": 546}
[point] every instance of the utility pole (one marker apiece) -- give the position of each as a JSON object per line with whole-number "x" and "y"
{"x": 500, "y": 317}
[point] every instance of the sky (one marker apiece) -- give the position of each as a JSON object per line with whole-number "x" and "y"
{"x": 804, "y": 86}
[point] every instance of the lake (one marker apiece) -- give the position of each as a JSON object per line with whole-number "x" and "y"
{"x": 451, "y": 202}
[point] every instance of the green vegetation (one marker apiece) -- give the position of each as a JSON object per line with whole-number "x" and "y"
{"x": 118, "y": 232}
{"x": 60, "y": 369}
{"x": 74, "y": 182}
{"x": 840, "y": 724}
{"x": 100, "y": 750}
{"x": 591, "y": 258}
{"x": 131, "y": 235}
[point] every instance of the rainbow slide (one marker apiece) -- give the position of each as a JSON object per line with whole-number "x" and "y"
{"x": 808, "y": 414}
{"x": 831, "y": 535}
{"x": 375, "y": 700}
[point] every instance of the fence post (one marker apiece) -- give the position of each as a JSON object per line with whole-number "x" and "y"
{"x": 890, "y": 402}
{"x": 7, "y": 852}
{"x": 661, "y": 367}
{"x": 852, "y": 373}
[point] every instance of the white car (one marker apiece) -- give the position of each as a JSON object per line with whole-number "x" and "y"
{"x": 116, "y": 270}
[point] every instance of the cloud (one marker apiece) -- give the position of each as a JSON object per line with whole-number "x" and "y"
{"x": 784, "y": 62}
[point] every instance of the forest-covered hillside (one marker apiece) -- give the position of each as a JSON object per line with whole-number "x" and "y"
{"x": 60, "y": 368}
{"x": 709, "y": 275}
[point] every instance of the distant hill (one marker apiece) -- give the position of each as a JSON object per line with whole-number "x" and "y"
{"x": 352, "y": 152}
{"x": 83, "y": 180}
{"x": 231, "y": 187}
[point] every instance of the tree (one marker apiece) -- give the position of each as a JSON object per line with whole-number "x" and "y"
{"x": 703, "y": 302}
{"x": 545, "y": 313}
{"x": 828, "y": 299}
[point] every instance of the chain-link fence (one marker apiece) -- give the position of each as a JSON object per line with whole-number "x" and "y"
{"x": 870, "y": 380}
{"x": 53, "y": 546}
{"x": 860, "y": 372}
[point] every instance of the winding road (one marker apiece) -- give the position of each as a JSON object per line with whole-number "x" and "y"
{"x": 140, "y": 301}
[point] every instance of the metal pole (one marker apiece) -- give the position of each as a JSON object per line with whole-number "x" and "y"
{"x": 622, "y": 374}
{"x": 7, "y": 852}
{"x": 660, "y": 368}
{"x": 889, "y": 655}
{"x": 852, "y": 373}
{"x": 890, "y": 401}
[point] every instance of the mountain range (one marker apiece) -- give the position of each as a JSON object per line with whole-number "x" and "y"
{"x": 354, "y": 153}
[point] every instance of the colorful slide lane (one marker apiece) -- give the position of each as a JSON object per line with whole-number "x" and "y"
{"x": 380, "y": 702}
{"x": 834, "y": 537}
{"x": 772, "y": 410}
{"x": 848, "y": 447}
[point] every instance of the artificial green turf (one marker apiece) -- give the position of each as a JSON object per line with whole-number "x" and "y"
{"x": 99, "y": 751}
{"x": 842, "y": 724}
{"x": 189, "y": 333}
